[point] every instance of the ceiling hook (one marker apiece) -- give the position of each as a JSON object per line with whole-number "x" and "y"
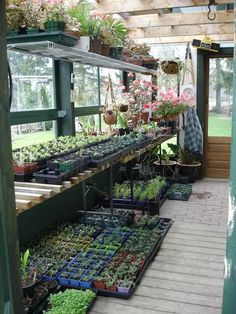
{"x": 211, "y": 2}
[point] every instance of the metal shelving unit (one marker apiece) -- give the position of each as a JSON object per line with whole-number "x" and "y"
{"x": 76, "y": 55}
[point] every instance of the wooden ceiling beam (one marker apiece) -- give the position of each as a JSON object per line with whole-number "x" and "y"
{"x": 174, "y": 19}
{"x": 148, "y": 6}
{"x": 184, "y": 39}
{"x": 182, "y": 30}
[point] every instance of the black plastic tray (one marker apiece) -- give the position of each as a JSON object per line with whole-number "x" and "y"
{"x": 150, "y": 206}
{"x": 120, "y": 295}
{"x": 149, "y": 259}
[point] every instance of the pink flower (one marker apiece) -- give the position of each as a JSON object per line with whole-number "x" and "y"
{"x": 146, "y": 106}
{"x": 130, "y": 74}
{"x": 122, "y": 87}
{"x": 137, "y": 91}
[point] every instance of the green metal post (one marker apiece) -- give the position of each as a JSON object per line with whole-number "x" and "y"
{"x": 99, "y": 97}
{"x": 229, "y": 297}
{"x": 10, "y": 283}
{"x": 63, "y": 85}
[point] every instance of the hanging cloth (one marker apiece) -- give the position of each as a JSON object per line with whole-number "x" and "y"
{"x": 193, "y": 140}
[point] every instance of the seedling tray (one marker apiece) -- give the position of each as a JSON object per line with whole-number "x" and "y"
{"x": 48, "y": 307}
{"x": 128, "y": 203}
{"x": 164, "y": 225}
{"x": 179, "y": 192}
{"x": 42, "y": 177}
{"x": 102, "y": 161}
{"x": 123, "y": 295}
{"x": 24, "y": 177}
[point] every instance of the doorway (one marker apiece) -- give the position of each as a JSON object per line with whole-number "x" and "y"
{"x": 218, "y": 115}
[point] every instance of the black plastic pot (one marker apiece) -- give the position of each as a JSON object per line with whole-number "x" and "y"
{"x": 115, "y": 52}
{"x": 191, "y": 171}
{"x": 28, "y": 290}
{"x": 123, "y": 131}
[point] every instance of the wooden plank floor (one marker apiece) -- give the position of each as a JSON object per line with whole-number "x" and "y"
{"x": 186, "y": 276}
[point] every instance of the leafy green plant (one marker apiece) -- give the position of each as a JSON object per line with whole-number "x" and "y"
{"x": 187, "y": 157}
{"x": 24, "y": 262}
{"x": 122, "y": 120}
{"x": 71, "y": 301}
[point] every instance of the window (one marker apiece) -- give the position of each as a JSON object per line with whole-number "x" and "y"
{"x": 32, "y": 82}
{"x": 86, "y": 85}
{"x": 116, "y": 78}
{"x": 32, "y": 133}
{"x": 88, "y": 124}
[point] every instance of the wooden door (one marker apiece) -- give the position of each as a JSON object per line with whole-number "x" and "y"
{"x": 218, "y": 117}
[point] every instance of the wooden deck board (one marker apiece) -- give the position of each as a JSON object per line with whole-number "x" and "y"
{"x": 186, "y": 277}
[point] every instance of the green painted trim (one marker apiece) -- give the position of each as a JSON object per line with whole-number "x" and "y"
{"x": 99, "y": 99}
{"x": 63, "y": 71}
{"x": 200, "y": 88}
{"x": 57, "y": 128}
{"x": 86, "y": 111}
{"x": 33, "y": 116}
{"x": 10, "y": 283}
{"x": 229, "y": 300}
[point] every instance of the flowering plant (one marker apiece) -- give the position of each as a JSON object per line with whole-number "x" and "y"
{"x": 168, "y": 104}
{"x": 52, "y": 10}
{"x": 15, "y": 16}
{"x": 140, "y": 94}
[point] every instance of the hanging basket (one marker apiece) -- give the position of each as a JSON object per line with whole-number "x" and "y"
{"x": 170, "y": 67}
{"x": 110, "y": 112}
{"x": 110, "y": 117}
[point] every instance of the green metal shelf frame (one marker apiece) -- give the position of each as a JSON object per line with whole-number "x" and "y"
{"x": 32, "y": 116}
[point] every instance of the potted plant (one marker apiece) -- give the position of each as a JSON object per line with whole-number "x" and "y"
{"x": 53, "y": 14}
{"x": 171, "y": 66}
{"x": 28, "y": 275}
{"x": 15, "y": 18}
{"x": 90, "y": 27}
{"x": 140, "y": 54}
{"x": 189, "y": 164}
{"x": 113, "y": 32}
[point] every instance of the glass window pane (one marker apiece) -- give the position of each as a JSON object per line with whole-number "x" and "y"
{"x": 88, "y": 124}
{"x": 32, "y": 82}
{"x": 32, "y": 133}
{"x": 220, "y": 97}
{"x": 86, "y": 85}
{"x": 116, "y": 78}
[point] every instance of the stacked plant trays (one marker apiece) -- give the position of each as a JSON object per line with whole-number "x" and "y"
{"x": 147, "y": 195}
{"x": 85, "y": 267}
{"x": 127, "y": 267}
{"x": 57, "y": 160}
{"x": 103, "y": 218}
{"x": 180, "y": 192}
{"x": 111, "y": 259}
{"x": 62, "y": 245}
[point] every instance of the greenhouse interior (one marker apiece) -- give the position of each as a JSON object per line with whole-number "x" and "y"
{"x": 117, "y": 157}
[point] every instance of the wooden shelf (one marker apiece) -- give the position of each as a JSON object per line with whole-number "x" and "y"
{"x": 37, "y": 193}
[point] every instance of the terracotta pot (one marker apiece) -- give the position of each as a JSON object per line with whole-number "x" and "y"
{"x": 99, "y": 284}
{"x": 134, "y": 118}
{"x": 109, "y": 117}
{"x": 144, "y": 116}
